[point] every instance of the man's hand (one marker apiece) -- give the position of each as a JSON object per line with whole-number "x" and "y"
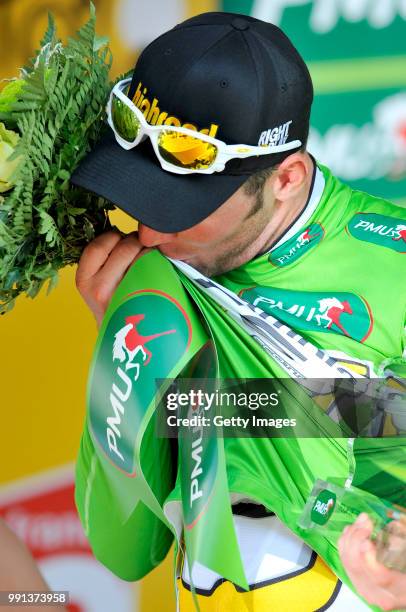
{"x": 379, "y": 585}
{"x": 102, "y": 265}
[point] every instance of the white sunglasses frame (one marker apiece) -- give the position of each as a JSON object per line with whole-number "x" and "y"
{"x": 225, "y": 152}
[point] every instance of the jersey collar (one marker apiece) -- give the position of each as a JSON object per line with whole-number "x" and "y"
{"x": 313, "y": 200}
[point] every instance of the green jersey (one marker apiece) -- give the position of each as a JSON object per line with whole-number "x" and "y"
{"x": 334, "y": 278}
{"x": 336, "y": 274}
{"x": 338, "y": 277}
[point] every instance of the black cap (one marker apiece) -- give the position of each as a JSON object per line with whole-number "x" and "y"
{"x": 234, "y": 77}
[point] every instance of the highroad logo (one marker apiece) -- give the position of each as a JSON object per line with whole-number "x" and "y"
{"x": 340, "y": 313}
{"x": 382, "y": 230}
{"x": 323, "y": 507}
{"x": 143, "y": 341}
{"x": 326, "y": 14}
{"x": 373, "y": 150}
{"x": 154, "y": 116}
{"x": 298, "y": 245}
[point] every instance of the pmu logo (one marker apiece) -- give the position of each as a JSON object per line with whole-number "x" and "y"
{"x": 326, "y": 14}
{"x": 341, "y": 313}
{"x": 382, "y": 230}
{"x": 297, "y": 246}
{"x": 129, "y": 342}
{"x": 342, "y": 147}
{"x": 144, "y": 340}
{"x": 323, "y": 507}
{"x": 198, "y": 450}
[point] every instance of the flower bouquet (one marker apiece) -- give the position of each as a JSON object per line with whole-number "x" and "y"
{"x": 50, "y": 116}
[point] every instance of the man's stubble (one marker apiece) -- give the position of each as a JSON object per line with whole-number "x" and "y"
{"x": 244, "y": 246}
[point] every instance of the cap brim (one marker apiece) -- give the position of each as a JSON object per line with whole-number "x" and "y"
{"x": 136, "y": 183}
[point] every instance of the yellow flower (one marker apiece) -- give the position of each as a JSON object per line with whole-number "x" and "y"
{"x": 8, "y": 142}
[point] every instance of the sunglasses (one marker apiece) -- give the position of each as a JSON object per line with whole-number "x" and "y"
{"x": 179, "y": 150}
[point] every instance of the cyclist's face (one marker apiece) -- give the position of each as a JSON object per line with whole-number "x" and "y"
{"x": 229, "y": 237}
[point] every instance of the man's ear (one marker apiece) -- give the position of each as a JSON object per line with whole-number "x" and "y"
{"x": 292, "y": 174}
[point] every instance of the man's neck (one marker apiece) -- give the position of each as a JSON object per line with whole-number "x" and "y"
{"x": 288, "y": 211}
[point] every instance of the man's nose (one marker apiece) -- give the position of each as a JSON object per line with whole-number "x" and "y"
{"x": 151, "y": 238}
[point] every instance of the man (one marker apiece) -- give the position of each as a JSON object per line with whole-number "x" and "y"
{"x": 228, "y": 187}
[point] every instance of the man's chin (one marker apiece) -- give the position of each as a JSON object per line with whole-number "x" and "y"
{"x": 211, "y": 271}
{"x": 205, "y": 269}
{"x": 202, "y": 268}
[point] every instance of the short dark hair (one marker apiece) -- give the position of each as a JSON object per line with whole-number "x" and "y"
{"x": 255, "y": 183}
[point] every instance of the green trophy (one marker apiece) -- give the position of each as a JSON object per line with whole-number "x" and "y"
{"x": 330, "y": 508}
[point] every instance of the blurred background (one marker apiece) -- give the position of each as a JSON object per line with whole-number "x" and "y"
{"x": 356, "y": 52}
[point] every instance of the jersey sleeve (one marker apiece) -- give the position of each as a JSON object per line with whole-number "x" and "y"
{"x": 129, "y": 550}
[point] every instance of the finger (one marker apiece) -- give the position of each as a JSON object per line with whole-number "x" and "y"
{"x": 95, "y": 255}
{"x": 115, "y": 267}
{"x": 363, "y": 521}
{"x": 353, "y": 540}
{"x": 349, "y": 553}
{"x": 347, "y": 537}
{"x": 356, "y": 542}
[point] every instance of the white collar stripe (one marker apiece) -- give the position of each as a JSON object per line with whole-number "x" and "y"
{"x": 314, "y": 201}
